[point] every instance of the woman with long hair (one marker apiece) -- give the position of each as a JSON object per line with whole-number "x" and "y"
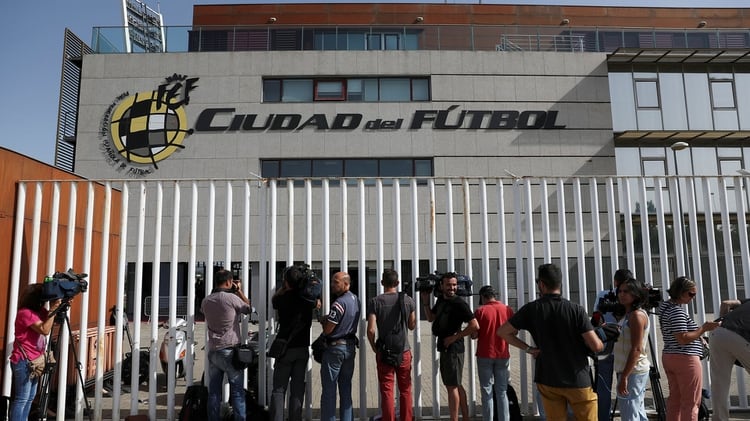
{"x": 32, "y": 326}
{"x": 682, "y": 351}
{"x": 631, "y": 361}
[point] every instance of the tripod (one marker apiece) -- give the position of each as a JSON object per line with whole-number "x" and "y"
{"x": 654, "y": 376}
{"x": 61, "y": 316}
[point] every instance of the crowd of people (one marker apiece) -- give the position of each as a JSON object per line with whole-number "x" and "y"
{"x": 562, "y": 340}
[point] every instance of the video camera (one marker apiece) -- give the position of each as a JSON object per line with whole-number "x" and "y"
{"x": 308, "y": 285}
{"x": 609, "y": 303}
{"x": 431, "y": 283}
{"x": 64, "y": 285}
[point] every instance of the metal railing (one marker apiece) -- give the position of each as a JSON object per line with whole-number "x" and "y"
{"x": 181, "y": 311}
{"x": 426, "y": 37}
{"x": 495, "y": 230}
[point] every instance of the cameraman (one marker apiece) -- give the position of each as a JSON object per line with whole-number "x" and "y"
{"x": 447, "y": 316}
{"x": 605, "y": 362}
{"x": 295, "y": 322}
{"x": 222, "y": 309}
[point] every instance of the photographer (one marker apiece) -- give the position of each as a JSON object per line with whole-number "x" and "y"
{"x": 31, "y": 326}
{"x": 605, "y": 361}
{"x": 730, "y": 343}
{"x": 447, "y": 316}
{"x": 222, "y": 309}
{"x": 295, "y": 322}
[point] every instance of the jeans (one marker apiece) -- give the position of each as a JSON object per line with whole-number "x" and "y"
{"x": 493, "y": 375}
{"x": 220, "y": 363}
{"x": 604, "y": 370}
{"x": 337, "y": 368}
{"x": 25, "y": 390}
{"x": 632, "y": 406}
{"x": 289, "y": 371}
{"x": 402, "y": 374}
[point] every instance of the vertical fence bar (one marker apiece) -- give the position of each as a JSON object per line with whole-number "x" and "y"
{"x": 172, "y": 346}
{"x": 580, "y": 245}
{"x": 155, "y": 280}
{"x": 137, "y": 300}
{"x": 612, "y": 221}
{"x": 433, "y": 267}
{"x": 470, "y": 273}
{"x": 308, "y": 259}
{"x": 546, "y": 233}
{"x": 119, "y": 310}
{"x": 192, "y": 261}
{"x": 502, "y": 254}
{"x": 102, "y": 305}
{"x": 563, "y": 232}
{"x": 597, "y": 237}
{"x": 645, "y": 233}
{"x": 416, "y": 336}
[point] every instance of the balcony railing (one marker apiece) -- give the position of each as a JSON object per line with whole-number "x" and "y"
{"x": 425, "y": 37}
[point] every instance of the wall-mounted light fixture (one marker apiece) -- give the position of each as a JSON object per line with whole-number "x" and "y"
{"x": 565, "y": 21}
{"x": 272, "y": 19}
{"x": 702, "y": 24}
{"x": 678, "y": 146}
{"x": 419, "y": 19}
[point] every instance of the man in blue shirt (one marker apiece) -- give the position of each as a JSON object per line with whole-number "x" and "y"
{"x": 337, "y": 367}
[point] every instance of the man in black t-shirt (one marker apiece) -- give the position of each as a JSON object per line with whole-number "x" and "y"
{"x": 564, "y": 337}
{"x": 447, "y": 316}
{"x": 295, "y": 322}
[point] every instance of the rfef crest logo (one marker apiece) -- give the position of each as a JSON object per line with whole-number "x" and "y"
{"x": 140, "y": 130}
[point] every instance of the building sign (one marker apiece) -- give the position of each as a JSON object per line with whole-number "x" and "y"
{"x": 228, "y": 120}
{"x": 144, "y": 28}
{"x": 137, "y": 131}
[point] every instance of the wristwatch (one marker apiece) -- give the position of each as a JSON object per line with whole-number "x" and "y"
{"x": 528, "y": 348}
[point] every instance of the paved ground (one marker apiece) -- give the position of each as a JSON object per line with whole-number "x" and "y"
{"x": 367, "y": 383}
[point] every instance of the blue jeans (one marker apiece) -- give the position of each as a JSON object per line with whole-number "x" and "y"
{"x": 493, "y": 375}
{"x": 337, "y": 368}
{"x": 289, "y": 371}
{"x": 632, "y": 407}
{"x": 25, "y": 390}
{"x": 220, "y": 363}
{"x": 605, "y": 368}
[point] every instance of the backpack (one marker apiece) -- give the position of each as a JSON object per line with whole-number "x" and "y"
{"x": 195, "y": 403}
{"x": 391, "y": 345}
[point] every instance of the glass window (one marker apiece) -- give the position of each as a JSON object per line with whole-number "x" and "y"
{"x": 271, "y": 90}
{"x": 295, "y": 168}
{"x": 329, "y": 90}
{"x": 269, "y": 169}
{"x": 356, "y": 41}
{"x": 327, "y": 168}
{"x": 420, "y": 90}
{"x": 395, "y": 89}
{"x": 297, "y": 90}
{"x": 722, "y": 94}
{"x": 391, "y": 41}
{"x": 354, "y": 89}
{"x": 361, "y": 168}
{"x": 646, "y": 94}
{"x": 374, "y": 42}
{"x": 729, "y": 167}
{"x": 396, "y": 167}
{"x": 423, "y": 167}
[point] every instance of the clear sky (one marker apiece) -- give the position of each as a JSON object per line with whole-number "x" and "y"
{"x": 31, "y": 39}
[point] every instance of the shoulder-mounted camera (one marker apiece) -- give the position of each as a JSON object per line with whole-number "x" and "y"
{"x": 432, "y": 283}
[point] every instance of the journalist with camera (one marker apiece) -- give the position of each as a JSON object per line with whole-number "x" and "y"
{"x": 447, "y": 316}
{"x": 223, "y": 308}
{"x": 291, "y": 347}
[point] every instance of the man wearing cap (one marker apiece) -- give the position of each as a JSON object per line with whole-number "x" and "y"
{"x": 492, "y": 354}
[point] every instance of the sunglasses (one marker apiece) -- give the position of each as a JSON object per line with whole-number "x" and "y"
{"x": 692, "y": 294}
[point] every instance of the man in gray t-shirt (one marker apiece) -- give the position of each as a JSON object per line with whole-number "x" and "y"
{"x": 222, "y": 309}
{"x": 390, "y": 319}
{"x": 729, "y": 343}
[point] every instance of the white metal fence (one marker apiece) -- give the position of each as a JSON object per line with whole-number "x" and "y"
{"x": 496, "y": 231}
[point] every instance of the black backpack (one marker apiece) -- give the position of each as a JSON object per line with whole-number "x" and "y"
{"x": 513, "y": 407}
{"x": 195, "y": 403}
{"x": 391, "y": 345}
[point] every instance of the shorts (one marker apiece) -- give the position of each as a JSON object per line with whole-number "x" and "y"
{"x": 452, "y": 368}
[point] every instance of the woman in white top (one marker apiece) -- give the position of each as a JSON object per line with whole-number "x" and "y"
{"x": 631, "y": 361}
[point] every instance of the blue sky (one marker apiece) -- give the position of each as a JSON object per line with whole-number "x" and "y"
{"x": 31, "y": 36}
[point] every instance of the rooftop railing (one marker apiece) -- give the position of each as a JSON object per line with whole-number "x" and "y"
{"x": 424, "y": 37}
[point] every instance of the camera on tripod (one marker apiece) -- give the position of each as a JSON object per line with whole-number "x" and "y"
{"x": 609, "y": 303}
{"x": 64, "y": 285}
{"x": 432, "y": 283}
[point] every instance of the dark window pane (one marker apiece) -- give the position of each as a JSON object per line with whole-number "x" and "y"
{"x": 295, "y": 168}
{"x": 327, "y": 168}
{"x": 420, "y": 90}
{"x": 269, "y": 169}
{"x": 396, "y": 168}
{"x": 423, "y": 167}
{"x": 271, "y": 90}
{"x": 361, "y": 168}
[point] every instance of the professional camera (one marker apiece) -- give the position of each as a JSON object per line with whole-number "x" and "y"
{"x": 432, "y": 282}
{"x": 64, "y": 285}
{"x": 609, "y": 303}
{"x": 308, "y": 285}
